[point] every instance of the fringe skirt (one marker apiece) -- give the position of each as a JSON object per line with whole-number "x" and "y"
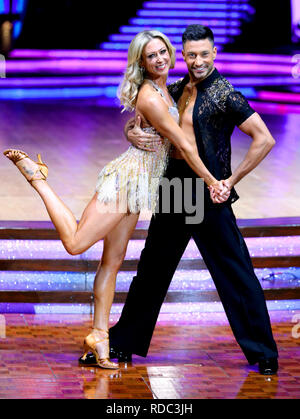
{"x": 130, "y": 182}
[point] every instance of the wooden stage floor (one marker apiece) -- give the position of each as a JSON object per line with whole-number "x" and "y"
{"x": 194, "y": 359}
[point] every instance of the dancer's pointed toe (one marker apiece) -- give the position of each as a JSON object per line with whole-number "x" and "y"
{"x": 30, "y": 170}
{"x": 15, "y": 155}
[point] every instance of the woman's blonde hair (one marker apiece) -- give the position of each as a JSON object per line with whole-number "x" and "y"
{"x": 135, "y": 74}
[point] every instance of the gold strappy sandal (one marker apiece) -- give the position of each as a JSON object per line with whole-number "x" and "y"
{"x": 90, "y": 343}
{"x": 39, "y": 173}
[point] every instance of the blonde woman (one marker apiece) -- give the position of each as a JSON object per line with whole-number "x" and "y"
{"x": 126, "y": 185}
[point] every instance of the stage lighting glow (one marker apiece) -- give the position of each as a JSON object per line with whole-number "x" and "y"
{"x": 80, "y": 54}
{"x": 177, "y": 30}
{"x": 174, "y": 39}
{"x": 124, "y": 46}
{"x": 274, "y": 108}
{"x": 17, "y": 29}
{"x": 279, "y": 96}
{"x": 198, "y": 6}
{"x": 75, "y": 92}
{"x": 245, "y": 71}
{"x": 61, "y": 81}
{"x": 4, "y": 6}
{"x": 106, "y": 80}
{"x": 183, "y": 22}
{"x": 190, "y": 14}
{"x": 18, "y": 6}
{"x": 63, "y": 93}
{"x": 179, "y": 312}
{"x": 73, "y": 66}
{"x": 92, "y": 54}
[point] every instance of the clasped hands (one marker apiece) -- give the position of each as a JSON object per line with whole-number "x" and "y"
{"x": 219, "y": 191}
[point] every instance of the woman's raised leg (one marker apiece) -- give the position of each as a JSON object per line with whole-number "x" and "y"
{"x": 96, "y": 222}
{"x": 97, "y": 219}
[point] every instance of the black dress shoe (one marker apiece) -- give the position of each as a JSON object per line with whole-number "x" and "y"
{"x": 89, "y": 360}
{"x": 120, "y": 355}
{"x": 113, "y": 354}
{"x": 252, "y": 361}
{"x": 268, "y": 366}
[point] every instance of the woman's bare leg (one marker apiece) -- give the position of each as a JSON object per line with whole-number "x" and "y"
{"x": 97, "y": 219}
{"x": 114, "y": 251}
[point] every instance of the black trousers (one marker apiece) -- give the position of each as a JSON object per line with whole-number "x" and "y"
{"x": 226, "y": 256}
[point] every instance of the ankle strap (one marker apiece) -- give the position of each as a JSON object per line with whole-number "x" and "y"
{"x": 100, "y": 330}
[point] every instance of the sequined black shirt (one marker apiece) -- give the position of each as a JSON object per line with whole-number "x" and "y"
{"x": 218, "y": 109}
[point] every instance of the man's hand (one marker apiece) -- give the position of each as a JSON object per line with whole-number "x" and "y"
{"x": 141, "y": 139}
{"x": 220, "y": 191}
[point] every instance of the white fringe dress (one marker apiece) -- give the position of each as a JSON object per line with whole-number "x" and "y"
{"x": 130, "y": 182}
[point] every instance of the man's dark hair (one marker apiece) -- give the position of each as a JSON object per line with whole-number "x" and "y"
{"x": 196, "y": 33}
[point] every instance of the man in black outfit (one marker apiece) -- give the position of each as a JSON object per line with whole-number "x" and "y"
{"x": 210, "y": 108}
